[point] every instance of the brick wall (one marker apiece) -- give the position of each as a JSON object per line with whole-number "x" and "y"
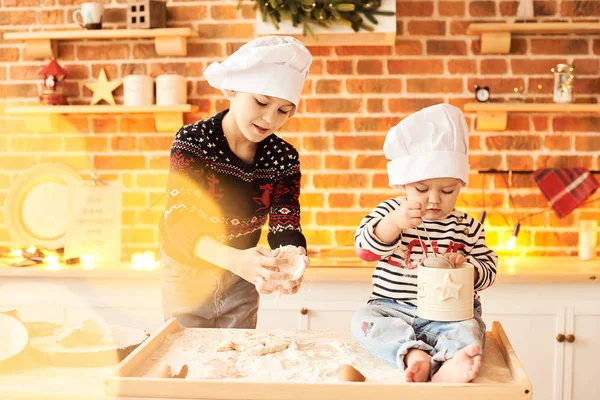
{"x": 353, "y": 96}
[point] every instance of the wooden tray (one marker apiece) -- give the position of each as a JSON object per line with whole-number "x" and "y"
{"x": 501, "y": 378}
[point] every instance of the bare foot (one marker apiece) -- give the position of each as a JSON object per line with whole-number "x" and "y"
{"x": 461, "y": 368}
{"x": 418, "y": 364}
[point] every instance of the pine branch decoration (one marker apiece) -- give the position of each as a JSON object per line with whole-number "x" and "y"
{"x": 321, "y": 12}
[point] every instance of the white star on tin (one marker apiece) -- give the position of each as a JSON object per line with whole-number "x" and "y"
{"x": 448, "y": 289}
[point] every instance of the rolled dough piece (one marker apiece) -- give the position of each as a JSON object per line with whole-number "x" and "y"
{"x": 114, "y": 346}
{"x": 262, "y": 346}
{"x": 41, "y": 328}
{"x": 89, "y": 333}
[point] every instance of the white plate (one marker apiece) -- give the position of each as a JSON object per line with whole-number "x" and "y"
{"x": 36, "y": 205}
{"x": 13, "y": 337}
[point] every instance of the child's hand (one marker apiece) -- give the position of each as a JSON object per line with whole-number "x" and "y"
{"x": 258, "y": 266}
{"x": 408, "y": 215}
{"x": 455, "y": 258}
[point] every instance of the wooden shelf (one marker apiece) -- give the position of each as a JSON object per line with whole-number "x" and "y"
{"x": 45, "y": 118}
{"x": 167, "y": 41}
{"x": 384, "y": 33}
{"x": 496, "y": 37}
{"x": 493, "y": 116}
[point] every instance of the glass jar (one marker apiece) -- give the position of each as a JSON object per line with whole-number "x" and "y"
{"x": 563, "y": 78}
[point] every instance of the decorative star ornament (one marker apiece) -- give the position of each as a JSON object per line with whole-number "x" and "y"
{"x": 102, "y": 89}
{"x": 448, "y": 289}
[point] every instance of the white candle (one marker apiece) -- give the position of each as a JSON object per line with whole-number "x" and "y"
{"x": 588, "y": 239}
{"x": 138, "y": 90}
{"x": 170, "y": 89}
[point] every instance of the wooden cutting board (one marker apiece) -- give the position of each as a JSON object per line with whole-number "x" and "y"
{"x": 114, "y": 346}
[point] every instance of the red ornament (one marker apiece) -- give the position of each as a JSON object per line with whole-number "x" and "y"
{"x": 53, "y": 75}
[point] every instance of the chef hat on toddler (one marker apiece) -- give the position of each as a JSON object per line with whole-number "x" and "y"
{"x": 271, "y": 66}
{"x": 431, "y": 143}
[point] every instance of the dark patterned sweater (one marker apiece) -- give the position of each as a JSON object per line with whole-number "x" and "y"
{"x": 211, "y": 191}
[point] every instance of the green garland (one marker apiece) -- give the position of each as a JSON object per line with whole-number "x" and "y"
{"x": 321, "y": 12}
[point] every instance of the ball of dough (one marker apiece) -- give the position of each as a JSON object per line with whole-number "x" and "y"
{"x": 296, "y": 264}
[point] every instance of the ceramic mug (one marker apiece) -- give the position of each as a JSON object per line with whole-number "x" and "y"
{"x": 89, "y": 16}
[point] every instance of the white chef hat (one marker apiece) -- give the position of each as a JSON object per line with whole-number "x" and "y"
{"x": 271, "y": 65}
{"x": 431, "y": 143}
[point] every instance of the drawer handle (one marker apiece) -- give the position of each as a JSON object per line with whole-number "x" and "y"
{"x": 560, "y": 338}
{"x": 570, "y": 338}
{"x": 304, "y": 311}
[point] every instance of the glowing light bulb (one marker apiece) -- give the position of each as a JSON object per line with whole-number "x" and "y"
{"x": 51, "y": 259}
{"x": 88, "y": 261}
{"x": 143, "y": 261}
{"x": 87, "y": 258}
{"x": 512, "y": 243}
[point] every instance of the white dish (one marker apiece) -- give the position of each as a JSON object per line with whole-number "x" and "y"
{"x": 36, "y": 205}
{"x": 13, "y": 337}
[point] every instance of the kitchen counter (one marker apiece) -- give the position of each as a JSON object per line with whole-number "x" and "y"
{"x": 22, "y": 378}
{"x": 511, "y": 270}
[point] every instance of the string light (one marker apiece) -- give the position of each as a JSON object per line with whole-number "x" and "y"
{"x": 512, "y": 242}
{"x": 16, "y": 252}
{"x": 53, "y": 259}
{"x": 145, "y": 261}
{"x": 88, "y": 261}
{"x": 482, "y": 216}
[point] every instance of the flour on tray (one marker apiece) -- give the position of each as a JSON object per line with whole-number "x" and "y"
{"x": 274, "y": 356}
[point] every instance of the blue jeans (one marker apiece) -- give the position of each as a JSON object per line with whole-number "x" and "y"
{"x": 207, "y": 298}
{"x": 388, "y": 330}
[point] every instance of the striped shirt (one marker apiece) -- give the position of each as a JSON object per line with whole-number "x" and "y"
{"x": 395, "y": 276}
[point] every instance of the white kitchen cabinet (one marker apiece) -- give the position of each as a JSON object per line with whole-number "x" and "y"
{"x": 314, "y": 315}
{"x": 555, "y": 330}
{"x": 317, "y": 305}
{"x": 582, "y": 348}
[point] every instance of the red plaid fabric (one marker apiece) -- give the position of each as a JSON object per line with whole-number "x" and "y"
{"x": 565, "y": 188}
